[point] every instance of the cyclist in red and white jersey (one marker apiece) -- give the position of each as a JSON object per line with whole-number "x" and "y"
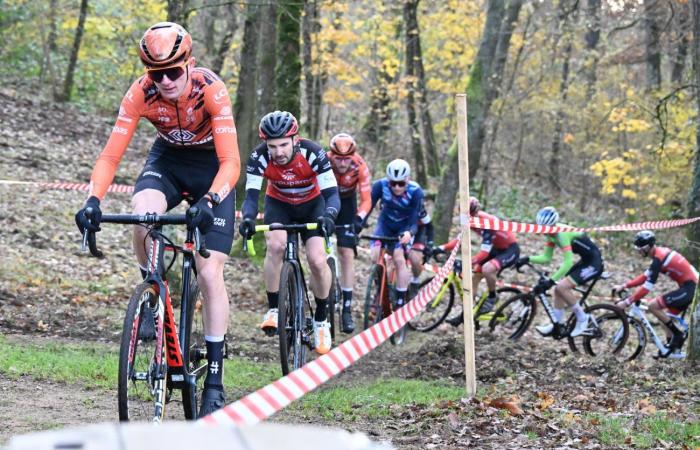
{"x": 673, "y": 264}
{"x": 195, "y": 156}
{"x": 301, "y": 188}
{"x": 352, "y": 175}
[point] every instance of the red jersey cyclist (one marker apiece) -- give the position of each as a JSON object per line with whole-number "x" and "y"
{"x": 499, "y": 249}
{"x": 352, "y": 175}
{"x": 673, "y": 264}
{"x": 195, "y": 152}
{"x": 301, "y": 188}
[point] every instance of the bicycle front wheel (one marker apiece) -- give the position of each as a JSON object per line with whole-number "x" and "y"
{"x": 436, "y": 310}
{"x": 514, "y": 316}
{"x": 142, "y": 378}
{"x": 195, "y": 353}
{"x": 290, "y": 327}
{"x": 334, "y": 297}
{"x": 373, "y": 306}
{"x": 608, "y": 330}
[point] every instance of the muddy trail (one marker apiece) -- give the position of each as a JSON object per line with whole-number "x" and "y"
{"x": 533, "y": 393}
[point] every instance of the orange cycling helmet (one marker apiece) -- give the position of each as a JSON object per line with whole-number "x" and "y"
{"x": 164, "y": 45}
{"x": 343, "y": 144}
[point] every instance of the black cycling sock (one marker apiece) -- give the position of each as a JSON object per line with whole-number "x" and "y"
{"x": 273, "y": 299}
{"x": 143, "y": 272}
{"x": 492, "y": 294}
{"x": 215, "y": 358}
{"x": 400, "y": 297}
{"x": 321, "y": 309}
{"x": 672, "y": 326}
{"x": 347, "y": 298}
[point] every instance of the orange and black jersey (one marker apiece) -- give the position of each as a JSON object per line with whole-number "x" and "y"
{"x": 200, "y": 118}
{"x": 355, "y": 178}
{"x": 305, "y": 177}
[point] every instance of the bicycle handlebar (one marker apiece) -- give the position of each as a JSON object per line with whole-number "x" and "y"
{"x": 249, "y": 248}
{"x": 90, "y": 241}
{"x": 383, "y": 239}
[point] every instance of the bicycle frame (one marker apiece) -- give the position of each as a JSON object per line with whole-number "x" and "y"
{"x": 637, "y": 312}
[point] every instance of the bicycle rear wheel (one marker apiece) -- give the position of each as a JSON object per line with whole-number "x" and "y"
{"x": 289, "y": 326}
{"x": 436, "y": 310}
{"x": 609, "y": 331}
{"x": 142, "y": 378}
{"x": 373, "y": 307}
{"x": 195, "y": 354}
{"x": 334, "y": 297}
{"x": 514, "y": 316}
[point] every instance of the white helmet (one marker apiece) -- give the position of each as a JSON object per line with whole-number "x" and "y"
{"x": 398, "y": 170}
{"x": 547, "y": 216}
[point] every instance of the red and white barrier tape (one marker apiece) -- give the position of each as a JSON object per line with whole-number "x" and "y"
{"x": 266, "y": 401}
{"x": 519, "y": 227}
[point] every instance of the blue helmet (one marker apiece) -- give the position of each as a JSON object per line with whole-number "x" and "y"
{"x": 547, "y": 216}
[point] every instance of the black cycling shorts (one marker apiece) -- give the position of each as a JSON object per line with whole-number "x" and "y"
{"x": 506, "y": 257}
{"x": 346, "y": 216}
{"x": 681, "y": 297}
{"x": 277, "y": 211}
{"x": 187, "y": 174}
{"x": 584, "y": 271}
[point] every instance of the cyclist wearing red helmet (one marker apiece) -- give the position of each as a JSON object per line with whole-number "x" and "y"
{"x": 673, "y": 264}
{"x": 301, "y": 188}
{"x": 195, "y": 152}
{"x": 352, "y": 175}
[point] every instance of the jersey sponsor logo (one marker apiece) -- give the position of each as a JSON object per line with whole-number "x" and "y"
{"x": 152, "y": 173}
{"x": 288, "y": 175}
{"x": 220, "y": 95}
{"x": 219, "y": 222}
{"x": 162, "y": 110}
{"x": 229, "y": 117}
{"x": 130, "y": 96}
{"x": 120, "y": 130}
{"x": 181, "y": 135}
{"x": 225, "y": 111}
{"x": 225, "y": 130}
{"x": 163, "y": 119}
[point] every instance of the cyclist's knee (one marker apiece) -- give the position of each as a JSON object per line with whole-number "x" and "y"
{"x": 562, "y": 288}
{"x": 275, "y": 246}
{"x": 149, "y": 201}
{"x": 489, "y": 269}
{"x": 317, "y": 263}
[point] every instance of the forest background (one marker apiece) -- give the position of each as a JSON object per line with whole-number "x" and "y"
{"x": 590, "y": 105}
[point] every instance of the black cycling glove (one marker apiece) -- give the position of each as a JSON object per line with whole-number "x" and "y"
{"x": 89, "y": 221}
{"x": 201, "y": 215}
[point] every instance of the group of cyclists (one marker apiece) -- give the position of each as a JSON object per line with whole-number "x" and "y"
{"x": 195, "y": 157}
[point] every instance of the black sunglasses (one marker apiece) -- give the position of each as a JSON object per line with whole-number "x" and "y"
{"x": 173, "y": 74}
{"x": 398, "y": 183}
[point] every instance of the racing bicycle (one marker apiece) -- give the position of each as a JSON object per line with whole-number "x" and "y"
{"x": 295, "y": 312}
{"x": 157, "y": 356}
{"x": 607, "y": 331}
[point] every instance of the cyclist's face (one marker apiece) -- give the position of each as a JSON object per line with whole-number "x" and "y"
{"x": 172, "y": 89}
{"x": 398, "y": 187}
{"x": 343, "y": 163}
{"x": 281, "y": 150}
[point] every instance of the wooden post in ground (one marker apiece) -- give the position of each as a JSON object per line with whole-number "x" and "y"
{"x": 463, "y": 148}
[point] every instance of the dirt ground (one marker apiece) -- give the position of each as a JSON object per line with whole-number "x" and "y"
{"x": 49, "y": 290}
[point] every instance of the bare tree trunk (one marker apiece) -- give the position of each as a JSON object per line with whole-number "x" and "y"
{"x": 480, "y": 93}
{"x": 377, "y": 124}
{"x": 693, "y": 251}
{"x": 592, "y": 38}
{"x": 683, "y": 30}
{"x": 73, "y": 61}
{"x": 268, "y": 59}
{"x": 652, "y": 29}
{"x": 226, "y": 39}
{"x": 178, "y": 11}
{"x": 208, "y": 21}
{"x": 288, "y": 70}
{"x": 313, "y": 80}
{"x": 410, "y": 17}
{"x": 426, "y": 122}
{"x": 245, "y": 104}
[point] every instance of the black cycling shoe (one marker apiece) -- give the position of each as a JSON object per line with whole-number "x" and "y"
{"x": 147, "y": 326}
{"x": 212, "y": 399}
{"x": 456, "y": 320}
{"x": 346, "y": 323}
{"x": 488, "y": 305}
{"x": 676, "y": 342}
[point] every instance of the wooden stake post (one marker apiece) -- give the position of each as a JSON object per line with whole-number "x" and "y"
{"x": 463, "y": 148}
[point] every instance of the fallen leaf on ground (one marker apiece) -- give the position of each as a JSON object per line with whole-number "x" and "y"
{"x": 511, "y": 404}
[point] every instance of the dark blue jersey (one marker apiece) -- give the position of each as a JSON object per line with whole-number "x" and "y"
{"x": 399, "y": 213}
